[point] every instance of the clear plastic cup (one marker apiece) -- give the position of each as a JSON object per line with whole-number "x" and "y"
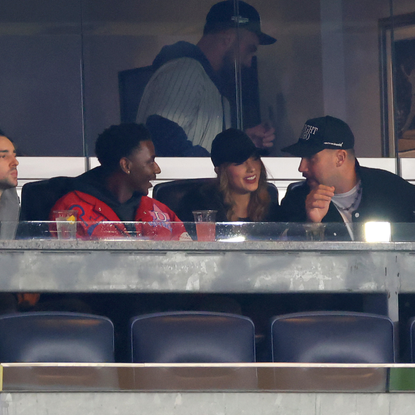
{"x": 205, "y": 224}
{"x": 66, "y": 223}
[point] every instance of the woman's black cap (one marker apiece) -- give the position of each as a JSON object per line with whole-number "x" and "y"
{"x": 233, "y": 146}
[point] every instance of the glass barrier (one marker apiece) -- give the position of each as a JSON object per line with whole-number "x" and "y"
{"x": 209, "y": 232}
{"x": 70, "y": 70}
{"x": 41, "y": 89}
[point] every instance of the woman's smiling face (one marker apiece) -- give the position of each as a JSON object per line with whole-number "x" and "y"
{"x": 244, "y": 177}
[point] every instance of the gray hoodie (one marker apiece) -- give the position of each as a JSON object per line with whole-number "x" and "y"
{"x": 9, "y": 213}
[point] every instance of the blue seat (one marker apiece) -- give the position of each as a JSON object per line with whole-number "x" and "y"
{"x": 332, "y": 337}
{"x": 38, "y": 198}
{"x": 56, "y": 337}
{"x": 192, "y": 337}
{"x": 412, "y": 338}
{"x": 171, "y": 193}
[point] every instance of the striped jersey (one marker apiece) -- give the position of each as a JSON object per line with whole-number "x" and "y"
{"x": 182, "y": 91}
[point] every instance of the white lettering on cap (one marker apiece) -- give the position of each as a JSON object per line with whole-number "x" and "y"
{"x": 240, "y": 19}
{"x": 307, "y": 131}
{"x": 333, "y": 144}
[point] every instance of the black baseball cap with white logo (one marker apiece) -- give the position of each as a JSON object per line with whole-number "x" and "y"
{"x": 222, "y": 15}
{"x": 322, "y": 133}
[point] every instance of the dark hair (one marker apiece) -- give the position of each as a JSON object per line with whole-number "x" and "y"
{"x": 2, "y": 133}
{"x": 119, "y": 141}
{"x": 351, "y": 153}
{"x": 217, "y": 28}
{"x": 259, "y": 201}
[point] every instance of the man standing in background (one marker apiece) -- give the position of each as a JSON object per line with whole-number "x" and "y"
{"x": 183, "y": 104}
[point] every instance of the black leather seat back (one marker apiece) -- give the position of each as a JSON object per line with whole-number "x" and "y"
{"x": 56, "y": 337}
{"x": 39, "y": 197}
{"x": 171, "y": 193}
{"x": 192, "y": 337}
{"x": 412, "y": 338}
{"x": 332, "y": 337}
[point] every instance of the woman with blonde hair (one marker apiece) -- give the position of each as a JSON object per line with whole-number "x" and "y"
{"x": 240, "y": 192}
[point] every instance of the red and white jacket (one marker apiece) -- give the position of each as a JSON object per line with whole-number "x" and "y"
{"x": 96, "y": 220}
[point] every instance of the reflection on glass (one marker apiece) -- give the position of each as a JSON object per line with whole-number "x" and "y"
{"x": 106, "y": 230}
{"x": 377, "y": 231}
{"x": 225, "y": 232}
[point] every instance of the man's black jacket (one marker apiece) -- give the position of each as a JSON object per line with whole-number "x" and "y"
{"x": 386, "y": 197}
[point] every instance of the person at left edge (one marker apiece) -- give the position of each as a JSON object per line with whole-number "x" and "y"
{"x": 116, "y": 191}
{"x": 9, "y": 206}
{"x": 9, "y": 201}
{"x": 9, "y": 216}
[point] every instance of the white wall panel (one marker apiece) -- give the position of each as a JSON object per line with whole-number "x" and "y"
{"x": 281, "y": 170}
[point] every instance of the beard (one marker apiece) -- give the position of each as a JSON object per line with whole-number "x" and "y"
{"x": 7, "y": 183}
{"x": 228, "y": 66}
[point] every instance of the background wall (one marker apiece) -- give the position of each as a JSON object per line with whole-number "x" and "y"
{"x": 326, "y": 63}
{"x": 290, "y": 71}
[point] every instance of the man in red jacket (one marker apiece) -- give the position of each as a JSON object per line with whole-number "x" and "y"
{"x": 108, "y": 197}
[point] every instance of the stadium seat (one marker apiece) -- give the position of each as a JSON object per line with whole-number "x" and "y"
{"x": 412, "y": 338}
{"x": 56, "y": 337}
{"x": 332, "y": 337}
{"x": 192, "y": 337}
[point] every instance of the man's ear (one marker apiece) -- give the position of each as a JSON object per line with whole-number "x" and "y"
{"x": 228, "y": 38}
{"x": 341, "y": 157}
{"x": 125, "y": 165}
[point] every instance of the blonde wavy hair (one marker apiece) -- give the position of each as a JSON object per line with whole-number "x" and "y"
{"x": 259, "y": 201}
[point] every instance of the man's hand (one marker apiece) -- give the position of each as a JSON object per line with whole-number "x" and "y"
{"x": 262, "y": 135}
{"x": 318, "y": 201}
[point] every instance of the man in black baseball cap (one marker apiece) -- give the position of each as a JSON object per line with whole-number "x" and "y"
{"x": 185, "y": 103}
{"x": 322, "y": 133}
{"x": 224, "y": 16}
{"x": 337, "y": 189}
